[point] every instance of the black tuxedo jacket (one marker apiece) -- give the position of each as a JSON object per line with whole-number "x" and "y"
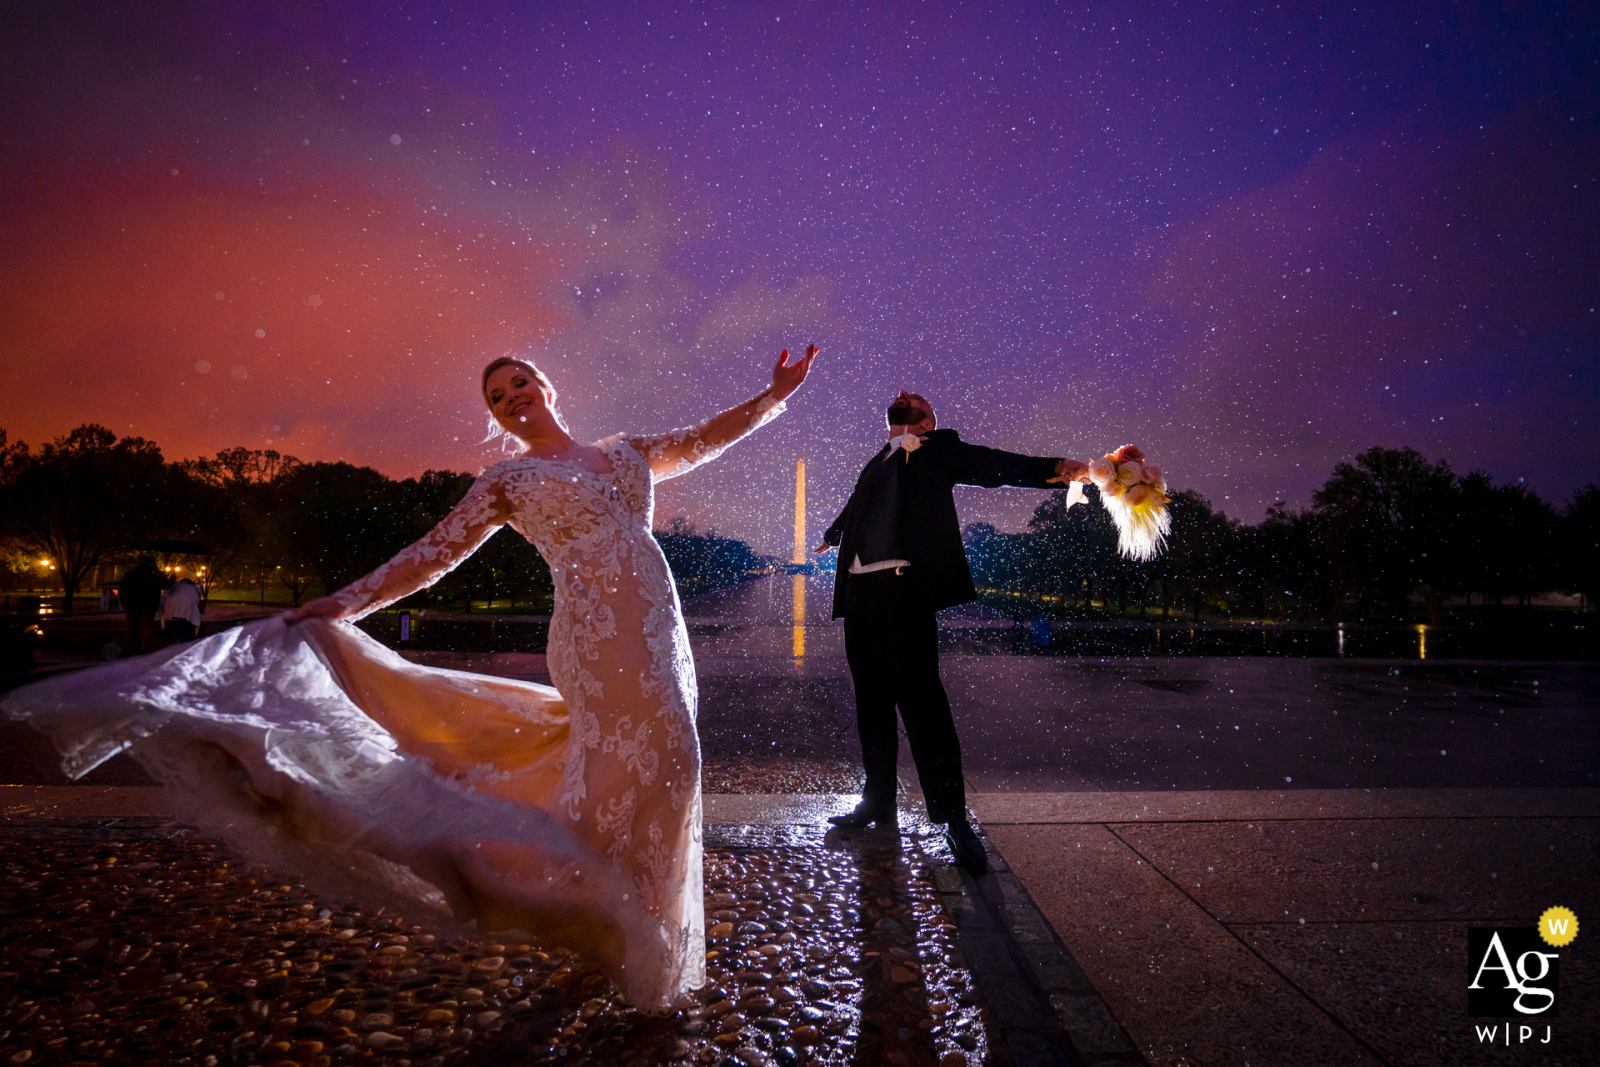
{"x": 929, "y": 529}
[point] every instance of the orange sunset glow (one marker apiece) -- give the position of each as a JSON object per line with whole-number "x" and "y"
{"x": 314, "y": 321}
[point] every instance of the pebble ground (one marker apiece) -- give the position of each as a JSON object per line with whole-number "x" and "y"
{"x": 136, "y": 944}
{"x": 742, "y": 774}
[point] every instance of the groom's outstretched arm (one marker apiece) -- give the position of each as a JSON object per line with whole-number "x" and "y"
{"x": 993, "y": 467}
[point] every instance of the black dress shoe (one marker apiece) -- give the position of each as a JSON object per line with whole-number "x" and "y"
{"x": 864, "y": 815}
{"x": 966, "y": 848}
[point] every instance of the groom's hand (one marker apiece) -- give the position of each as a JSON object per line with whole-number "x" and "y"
{"x": 1070, "y": 470}
{"x": 823, "y": 548}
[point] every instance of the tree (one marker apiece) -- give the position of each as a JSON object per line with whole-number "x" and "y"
{"x": 700, "y": 562}
{"x": 1389, "y": 513}
{"x": 1195, "y": 566}
{"x": 335, "y": 521}
{"x": 1530, "y": 567}
{"x": 1292, "y": 560}
{"x": 1580, "y": 544}
{"x": 1071, "y": 551}
{"x": 1505, "y": 540}
{"x": 82, "y": 500}
{"x": 997, "y": 560}
{"x": 235, "y": 519}
{"x": 504, "y": 567}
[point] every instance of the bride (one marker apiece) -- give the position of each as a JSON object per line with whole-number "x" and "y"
{"x": 572, "y": 813}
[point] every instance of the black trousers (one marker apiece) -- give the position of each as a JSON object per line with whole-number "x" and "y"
{"x": 892, "y": 644}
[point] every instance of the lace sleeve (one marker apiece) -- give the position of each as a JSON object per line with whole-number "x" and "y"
{"x": 470, "y": 523}
{"x": 681, "y": 451}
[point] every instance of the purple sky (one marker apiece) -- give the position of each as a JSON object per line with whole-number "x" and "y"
{"x": 1253, "y": 244}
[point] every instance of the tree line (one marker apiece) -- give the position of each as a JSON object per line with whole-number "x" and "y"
{"x": 1389, "y": 535}
{"x": 90, "y": 500}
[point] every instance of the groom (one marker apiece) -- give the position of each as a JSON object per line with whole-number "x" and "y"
{"x": 900, "y": 560}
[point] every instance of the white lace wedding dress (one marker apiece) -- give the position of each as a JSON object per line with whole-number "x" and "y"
{"x": 573, "y": 813}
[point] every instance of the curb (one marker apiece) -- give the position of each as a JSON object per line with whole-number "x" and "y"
{"x": 1048, "y": 1010}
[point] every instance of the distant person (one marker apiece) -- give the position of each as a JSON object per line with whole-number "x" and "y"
{"x": 181, "y": 607}
{"x": 140, "y": 593}
{"x": 900, "y": 560}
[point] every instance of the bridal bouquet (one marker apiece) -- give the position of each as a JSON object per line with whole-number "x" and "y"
{"x": 1136, "y": 495}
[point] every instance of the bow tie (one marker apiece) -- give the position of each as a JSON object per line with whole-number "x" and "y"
{"x": 908, "y": 441}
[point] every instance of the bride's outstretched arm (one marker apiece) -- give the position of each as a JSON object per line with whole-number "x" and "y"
{"x": 470, "y": 523}
{"x": 671, "y": 454}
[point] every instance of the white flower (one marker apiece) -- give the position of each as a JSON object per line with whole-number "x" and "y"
{"x": 908, "y": 441}
{"x": 1102, "y": 471}
{"x": 1130, "y": 474}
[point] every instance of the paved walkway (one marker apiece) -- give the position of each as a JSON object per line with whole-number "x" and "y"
{"x": 1209, "y": 928}
{"x": 1308, "y": 927}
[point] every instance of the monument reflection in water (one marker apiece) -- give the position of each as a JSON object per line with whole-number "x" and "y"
{"x": 800, "y": 559}
{"x": 799, "y": 616}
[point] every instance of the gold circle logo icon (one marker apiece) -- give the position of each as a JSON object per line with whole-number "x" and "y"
{"x": 1558, "y": 926}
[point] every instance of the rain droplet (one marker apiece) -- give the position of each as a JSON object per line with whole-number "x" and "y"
{"x": 221, "y": 295}
{"x": 394, "y": 138}
{"x": 314, "y": 301}
{"x": 1287, "y": 778}
{"x": 239, "y": 373}
{"x": 174, "y": 172}
{"x": 202, "y": 367}
{"x": 261, "y": 333}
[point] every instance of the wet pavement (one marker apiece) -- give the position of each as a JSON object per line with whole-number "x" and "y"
{"x": 1055, "y": 723}
{"x": 1311, "y": 926}
{"x": 777, "y": 712}
{"x": 130, "y": 940}
{"x": 1195, "y": 861}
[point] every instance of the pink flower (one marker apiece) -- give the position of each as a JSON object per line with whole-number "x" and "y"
{"x": 1125, "y": 454}
{"x": 1138, "y": 495}
{"x": 1113, "y": 489}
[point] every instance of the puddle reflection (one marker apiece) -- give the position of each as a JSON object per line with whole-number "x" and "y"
{"x": 799, "y": 617}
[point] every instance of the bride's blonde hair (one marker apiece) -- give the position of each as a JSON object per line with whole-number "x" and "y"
{"x": 540, "y": 379}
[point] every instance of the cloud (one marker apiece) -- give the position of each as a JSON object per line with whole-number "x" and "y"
{"x": 350, "y": 322}
{"x": 336, "y": 307}
{"x": 1375, "y": 296}
{"x": 755, "y": 308}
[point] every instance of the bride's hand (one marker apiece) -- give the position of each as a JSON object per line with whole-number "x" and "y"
{"x": 786, "y": 376}
{"x": 322, "y": 608}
